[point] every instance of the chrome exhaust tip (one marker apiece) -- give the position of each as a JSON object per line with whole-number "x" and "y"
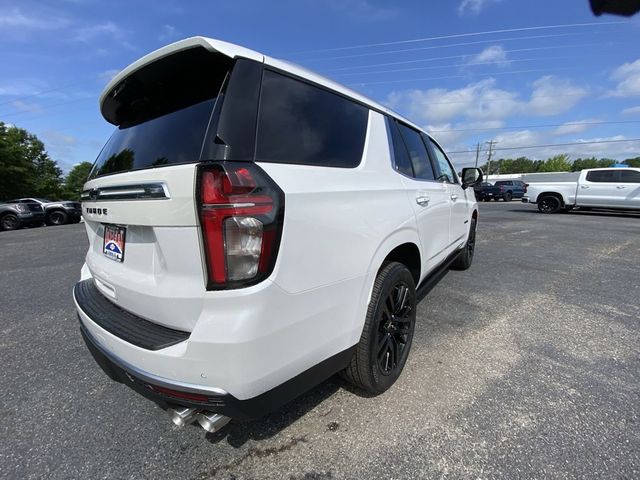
{"x": 212, "y": 422}
{"x": 182, "y": 416}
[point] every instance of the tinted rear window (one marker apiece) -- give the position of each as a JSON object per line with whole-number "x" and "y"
{"x": 602, "y": 176}
{"x": 162, "y": 111}
{"x": 629, "y": 176}
{"x": 401, "y": 158}
{"x": 303, "y": 124}
{"x": 173, "y": 138}
{"x": 422, "y": 167}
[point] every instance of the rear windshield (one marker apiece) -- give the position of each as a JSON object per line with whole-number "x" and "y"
{"x": 162, "y": 112}
{"x": 170, "y": 139}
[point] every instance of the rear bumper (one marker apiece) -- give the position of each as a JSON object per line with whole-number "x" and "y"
{"x": 168, "y": 393}
{"x": 245, "y": 367}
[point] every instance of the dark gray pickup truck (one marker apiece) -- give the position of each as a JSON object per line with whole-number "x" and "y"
{"x": 56, "y": 212}
{"x": 16, "y": 215}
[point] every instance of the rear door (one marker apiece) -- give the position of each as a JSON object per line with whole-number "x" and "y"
{"x": 428, "y": 197}
{"x": 459, "y": 197}
{"x": 629, "y": 187}
{"x": 600, "y": 189}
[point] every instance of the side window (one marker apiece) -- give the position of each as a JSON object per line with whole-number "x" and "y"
{"x": 422, "y": 168}
{"x": 446, "y": 171}
{"x": 401, "y": 160}
{"x": 303, "y": 124}
{"x": 602, "y": 176}
{"x": 629, "y": 176}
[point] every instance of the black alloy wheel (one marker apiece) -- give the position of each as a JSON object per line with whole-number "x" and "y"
{"x": 387, "y": 334}
{"x": 465, "y": 258}
{"x": 549, "y": 204}
{"x": 394, "y": 329}
{"x": 57, "y": 218}
{"x": 10, "y": 222}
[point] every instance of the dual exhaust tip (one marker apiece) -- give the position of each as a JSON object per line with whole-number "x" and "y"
{"x": 211, "y": 422}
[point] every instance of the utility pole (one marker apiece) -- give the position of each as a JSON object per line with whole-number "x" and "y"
{"x": 491, "y": 143}
{"x": 477, "y": 153}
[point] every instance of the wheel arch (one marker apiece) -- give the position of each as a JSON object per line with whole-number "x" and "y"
{"x": 401, "y": 242}
{"x": 558, "y": 195}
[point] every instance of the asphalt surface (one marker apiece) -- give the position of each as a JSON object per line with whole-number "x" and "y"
{"x": 525, "y": 366}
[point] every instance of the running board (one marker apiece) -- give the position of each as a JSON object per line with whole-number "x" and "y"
{"x": 434, "y": 277}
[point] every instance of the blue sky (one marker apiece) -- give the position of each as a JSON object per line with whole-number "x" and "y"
{"x": 534, "y": 83}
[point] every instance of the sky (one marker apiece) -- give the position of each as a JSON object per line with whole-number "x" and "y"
{"x": 519, "y": 72}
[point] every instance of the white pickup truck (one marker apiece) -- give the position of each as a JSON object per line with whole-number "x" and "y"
{"x": 610, "y": 188}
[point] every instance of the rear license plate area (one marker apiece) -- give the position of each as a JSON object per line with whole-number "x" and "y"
{"x": 114, "y": 242}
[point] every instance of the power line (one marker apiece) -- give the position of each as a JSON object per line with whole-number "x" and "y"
{"x": 473, "y": 64}
{"x": 37, "y": 94}
{"x": 550, "y": 145}
{"x": 77, "y": 100}
{"x": 516, "y": 127}
{"x": 446, "y": 77}
{"x": 471, "y": 34}
{"x": 449, "y": 57}
{"x": 434, "y": 47}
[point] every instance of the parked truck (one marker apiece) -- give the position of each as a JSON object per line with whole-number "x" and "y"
{"x": 608, "y": 188}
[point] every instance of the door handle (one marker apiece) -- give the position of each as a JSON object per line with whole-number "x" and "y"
{"x": 620, "y": 186}
{"x": 584, "y": 186}
{"x": 422, "y": 200}
{"x": 454, "y": 197}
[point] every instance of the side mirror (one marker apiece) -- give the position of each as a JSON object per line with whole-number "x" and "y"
{"x": 471, "y": 177}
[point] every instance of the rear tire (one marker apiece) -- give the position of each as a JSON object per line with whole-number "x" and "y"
{"x": 9, "y": 222}
{"x": 549, "y": 204}
{"x": 388, "y": 331}
{"x": 465, "y": 258}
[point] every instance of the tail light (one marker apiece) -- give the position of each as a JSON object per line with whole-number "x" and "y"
{"x": 502, "y": 188}
{"x": 241, "y": 213}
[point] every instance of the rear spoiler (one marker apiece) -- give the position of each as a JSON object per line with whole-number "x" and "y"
{"x": 216, "y": 46}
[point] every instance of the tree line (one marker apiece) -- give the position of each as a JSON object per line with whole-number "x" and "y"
{"x": 558, "y": 163}
{"x": 27, "y": 170}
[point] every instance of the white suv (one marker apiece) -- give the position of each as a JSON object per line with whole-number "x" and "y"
{"x": 255, "y": 228}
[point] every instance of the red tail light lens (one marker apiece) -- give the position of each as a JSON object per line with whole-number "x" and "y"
{"x": 241, "y": 213}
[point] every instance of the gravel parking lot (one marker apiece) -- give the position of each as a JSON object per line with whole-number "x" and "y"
{"x": 527, "y": 365}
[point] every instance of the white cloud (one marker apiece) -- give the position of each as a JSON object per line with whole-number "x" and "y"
{"x": 480, "y": 100}
{"x": 109, "y": 30}
{"x": 445, "y": 133}
{"x": 628, "y": 77}
{"x": 492, "y": 54}
{"x": 575, "y": 126}
{"x": 16, "y": 19}
{"x": 484, "y": 101}
{"x": 552, "y": 95}
{"x": 362, "y": 10}
{"x": 473, "y": 7}
{"x": 631, "y": 111}
{"x": 23, "y": 106}
{"x": 168, "y": 33}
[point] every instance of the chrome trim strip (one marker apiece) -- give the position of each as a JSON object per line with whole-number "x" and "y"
{"x": 211, "y": 206}
{"x": 146, "y": 376}
{"x": 142, "y": 191}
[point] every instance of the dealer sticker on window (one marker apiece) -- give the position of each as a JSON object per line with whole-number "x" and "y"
{"x": 114, "y": 238}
